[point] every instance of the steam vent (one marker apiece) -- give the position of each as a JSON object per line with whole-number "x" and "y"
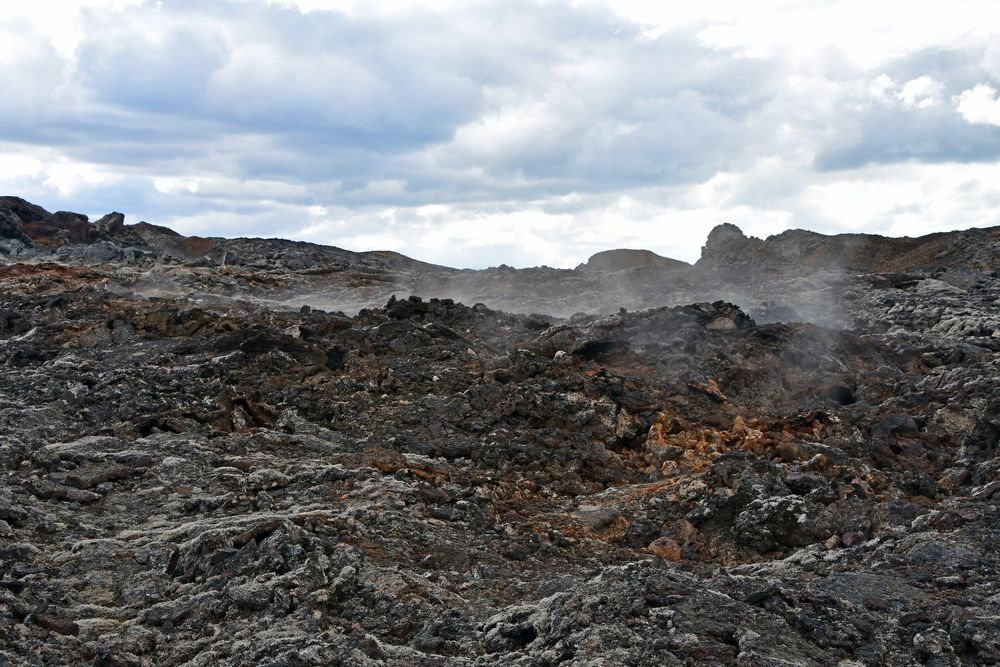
{"x": 261, "y": 452}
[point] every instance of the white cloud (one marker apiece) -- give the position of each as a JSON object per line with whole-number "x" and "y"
{"x": 980, "y": 105}
{"x": 910, "y": 199}
{"x": 867, "y": 33}
{"x": 60, "y": 20}
{"x": 69, "y": 177}
{"x": 227, "y": 188}
{"x": 18, "y": 166}
{"x": 991, "y": 58}
{"x": 510, "y": 128}
{"x": 921, "y": 93}
{"x": 31, "y": 70}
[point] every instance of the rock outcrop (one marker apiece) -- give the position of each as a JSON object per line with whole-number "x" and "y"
{"x": 624, "y": 259}
{"x": 799, "y": 250}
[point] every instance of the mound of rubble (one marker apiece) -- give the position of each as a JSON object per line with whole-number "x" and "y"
{"x": 203, "y": 465}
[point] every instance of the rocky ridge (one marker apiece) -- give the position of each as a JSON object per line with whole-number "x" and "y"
{"x": 203, "y": 463}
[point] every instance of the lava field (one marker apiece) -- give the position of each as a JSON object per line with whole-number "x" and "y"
{"x": 259, "y": 452}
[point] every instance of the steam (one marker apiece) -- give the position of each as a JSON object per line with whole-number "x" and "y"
{"x": 770, "y": 280}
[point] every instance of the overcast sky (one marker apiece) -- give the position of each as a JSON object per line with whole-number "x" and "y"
{"x": 523, "y": 132}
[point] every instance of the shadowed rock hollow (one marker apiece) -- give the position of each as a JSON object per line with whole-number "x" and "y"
{"x": 247, "y": 451}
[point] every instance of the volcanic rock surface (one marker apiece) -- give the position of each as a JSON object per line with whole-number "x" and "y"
{"x": 260, "y": 452}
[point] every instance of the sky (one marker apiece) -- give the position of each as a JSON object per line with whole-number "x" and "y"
{"x": 524, "y": 132}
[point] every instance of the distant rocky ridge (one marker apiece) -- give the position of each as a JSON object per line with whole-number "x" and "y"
{"x": 28, "y": 230}
{"x": 793, "y": 275}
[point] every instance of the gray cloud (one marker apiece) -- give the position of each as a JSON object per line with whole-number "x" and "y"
{"x": 353, "y": 98}
{"x": 891, "y": 131}
{"x": 881, "y": 136}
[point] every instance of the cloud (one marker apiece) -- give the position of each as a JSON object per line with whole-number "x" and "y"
{"x": 892, "y": 136}
{"x": 474, "y": 133}
{"x": 31, "y": 69}
{"x": 916, "y": 120}
{"x": 162, "y": 70}
{"x": 980, "y": 105}
{"x": 990, "y": 63}
{"x": 551, "y": 96}
{"x": 921, "y": 93}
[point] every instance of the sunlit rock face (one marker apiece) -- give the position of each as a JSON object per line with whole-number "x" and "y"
{"x": 247, "y": 451}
